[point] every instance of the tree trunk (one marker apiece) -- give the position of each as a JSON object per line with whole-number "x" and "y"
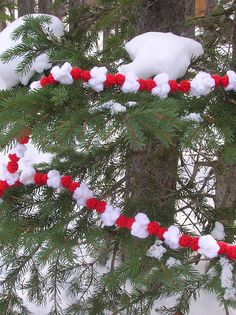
{"x": 152, "y": 172}
{"x": 25, "y": 7}
{"x": 45, "y": 6}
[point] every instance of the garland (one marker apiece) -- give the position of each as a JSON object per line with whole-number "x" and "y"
{"x": 98, "y": 79}
{"x": 139, "y": 226}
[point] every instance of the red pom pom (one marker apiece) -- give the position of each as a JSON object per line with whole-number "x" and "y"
{"x": 72, "y": 186}
{"x": 142, "y": 85}
{"x": 121, "y": 222}
{"x": 174, "y": 87}
{"x": 223, "y": 248}
{"x": 194, "y": 243}
{"x": 153, "y": 228}
{"x": 12, "y": 167}
{"x": 91, "y": 203}
{"x": 76, "y": 73}
{"x": 86, "y": 76}
{"x": 224, "y": 80}
{"x": 51, "y": 80}
{"x": 110, "y": 80}
{"x": 44, "y": 81}
{"x": 231, "y": 252}
{"x": 161, "y": 232}
{"x": 40, "y": 179}
{"x": 66, "y": 181}
{"x": 184, "y": 86}
{"x": 120, "y": 79}
{"x": 17, "y": 183}
{"x": 150, "y": 84}
{"x": 185, "y": 240}
{"x": 3, "y": 185}
{"x": 129, "y": 223}
{"x": 13, "y": 157}
{"x": 100, "y": 206}
{"x": 217, "y": 80}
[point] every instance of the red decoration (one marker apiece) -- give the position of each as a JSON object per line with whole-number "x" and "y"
{"x": 100, "y": 206}
{"x": 12, "y": 166}
{"x": 76, "y": 73}
{"x": 184, "y": 86}
{"x": 153, "y": 228}
{"x": 66, "y": 181}
{"x": 91, "y": 203}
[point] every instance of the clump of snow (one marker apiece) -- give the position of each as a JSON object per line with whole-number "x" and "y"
{"x": 218, "y": 232}
{"x": 156, "y": 250}
{"x": 153, "y": 53}
{"x": 193, "y": 117}
{"x": 8, "y": 76}
{"x": 227, "y": 279}
{"x": 172, "y": 262}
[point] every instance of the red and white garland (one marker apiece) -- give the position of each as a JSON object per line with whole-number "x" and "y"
{"x": 139, "y": 226}
{"x": 98, "y": 79}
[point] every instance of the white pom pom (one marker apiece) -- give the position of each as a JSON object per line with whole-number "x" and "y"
{"x": 27, "y": 175}
{"x": 36, "y": 85}
{"x": 62, "y": 74}
{"x": 82, "y": 194}
{"x": 202, "y": 84}
{"x": 208, "y": 246}
{"x": 110, "y": 215}
{"x": 162, "y": 89}
{"x": 131, "y": 84}
{"x": 172, "y": 236}
{"x": 98, "y": 77}
{"x": 232, "y": 81}
{"x": 139, "y": 227}
{"x": 54, "y": 179}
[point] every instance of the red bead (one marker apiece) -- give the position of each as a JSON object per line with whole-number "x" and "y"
{"x": 142, "y": 85}
{"x": 153, "y": 228}
{"x": 51, "y": 80}
{"x": 76, "y": 73}
{"x": 231, "y": 253}
{"x": 217, "y": 80}
{"x": 121, "y": 222}
{"x": 160, "y": 233}
{"x": 224, "y": 80}
{"x": 185, "y": 240}
{"x": 120, "y": 79}
{"x": 100, "y": 206}
{"x": 150, "y": 84}
{"x": 110, "y": 80}
{"x": 86, "y": 76}
{"x": 66, "y": 181}
{"x": 129, "y": 223}
{"x": 12, "y": 167}
{"x": 223, "y": 248}
{"x": 3, "y": 185}
{"x": 174, "y": 87}
{"x": 13, "y": 157}
{"x": 72, "y": 186}
{"x": 184, "y": 86}
{"x": 91, "y": 203}
{"x": 194, "y": 244}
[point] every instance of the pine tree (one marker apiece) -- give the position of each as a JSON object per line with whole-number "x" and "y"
{"x": 50, "y": 244}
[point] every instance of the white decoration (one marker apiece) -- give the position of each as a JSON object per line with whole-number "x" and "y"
{"x": 10, "y": 178}
{"x": 35, "y": 85}
{"x": 227, "y": 279}
{"x": 98, "y": 77}
{"x": 202, "y": 84}
{"x": 131, "y": 84}
{"x": 153, "y": 53}
{"x": 218, "y": 232}
{"x": 172, "y": 262}
{"x": 139, "y": 227}
{"x": 162, "y": 89}
{"x": 208, "y": 246}
{"x": 8, "y": 76}
{"x": 82, "y": 194}
{"x": 172, "y": 236}
{"x": 232, "y": 81}
{"x": 156, "y": 250}
{"x": 54, "y": 179}
{"x": 110, "y": 215}
{"x": 62, "y": 74}
{"x": 27, "y": 175}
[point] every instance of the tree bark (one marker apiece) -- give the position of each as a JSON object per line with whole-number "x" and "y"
{"x": 25, "y": 7}
{"x": 151, "y": 173}
{"x": 45, "y": 6}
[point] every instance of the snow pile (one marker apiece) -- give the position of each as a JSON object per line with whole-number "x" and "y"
{"x": 8, "y": 76}
{"x": 218, "y": 232}
{"x": 227, "y": 279}
{"x": 193, "y": 117}
{"x": 156, "y": 250}
{"x": 172, "y": 262}
{"x": 153, "y": 53}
